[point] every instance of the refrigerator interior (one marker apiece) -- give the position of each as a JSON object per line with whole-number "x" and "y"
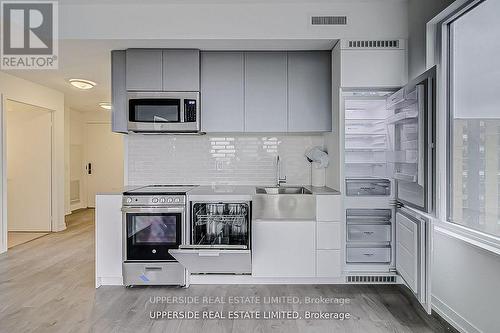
{"x": 367, "y": 136}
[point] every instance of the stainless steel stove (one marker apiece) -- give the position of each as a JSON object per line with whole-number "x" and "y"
{"x": 153, "y": 223}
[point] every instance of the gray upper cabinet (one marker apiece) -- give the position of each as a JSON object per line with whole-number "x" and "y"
{"x": 118, "y": 92}
{"x": 309, "y": 91}
{"x": 222, "y": 91}
{"x": 181, "y": 70}
{"x": 144, "y": 69}
{"x": 265, "y": 92}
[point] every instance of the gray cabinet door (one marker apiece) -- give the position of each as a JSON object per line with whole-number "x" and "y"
{"x": 222, "y": 92}
{"x": 119, "y": 119}
{"x": 144, "y": 70}
{"x": 181, "y": 70}
{"x": 309, "y": 91}
{"x": 265, "y": 92}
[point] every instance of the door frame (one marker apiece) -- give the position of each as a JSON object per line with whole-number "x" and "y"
{"x": 3, "y": 171}
{"x": 86, "y": 155}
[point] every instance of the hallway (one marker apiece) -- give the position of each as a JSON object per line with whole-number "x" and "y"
{"x": 47, "y": 285}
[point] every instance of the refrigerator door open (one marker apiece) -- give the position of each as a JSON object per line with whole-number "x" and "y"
{"x": 413, "y": 253}
{"x": 413, "y": 137}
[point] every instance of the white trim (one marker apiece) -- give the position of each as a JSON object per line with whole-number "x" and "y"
{"x": 476, "y": 238}
{"x": 452, "y": 317}
{"x": 108, "y": 281}
{"x": 3, "y": 177}
{"x": 248, "y": 279}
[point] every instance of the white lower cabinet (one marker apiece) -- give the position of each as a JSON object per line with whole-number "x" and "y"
{"x": 328, "y": 263}
{"x": 283, "y": 248}
{"x": 328, "y": 236}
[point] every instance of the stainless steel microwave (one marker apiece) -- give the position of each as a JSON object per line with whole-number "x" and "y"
{"x": 167, "y": 112}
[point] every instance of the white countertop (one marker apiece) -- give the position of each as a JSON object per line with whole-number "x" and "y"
{"x": 241, "y": 192}
{"x": 223, "y": 190}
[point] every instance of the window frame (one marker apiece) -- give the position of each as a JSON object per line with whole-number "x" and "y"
{"x": 447, "y": 46}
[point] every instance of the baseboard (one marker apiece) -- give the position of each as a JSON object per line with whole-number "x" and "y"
{"x": 248, "y": 279}
{"x": 453, "y": 318}
{"x": 108, "y": 281}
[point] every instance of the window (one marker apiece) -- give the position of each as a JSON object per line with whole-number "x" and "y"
{"x": 474, "y": 118}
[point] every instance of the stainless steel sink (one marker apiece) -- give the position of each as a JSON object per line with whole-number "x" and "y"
{"x": 282, "y": 190}
{"x": 285, "y": 203}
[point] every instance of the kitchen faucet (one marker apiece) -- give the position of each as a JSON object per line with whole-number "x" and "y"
{"x": 279, "y": 180}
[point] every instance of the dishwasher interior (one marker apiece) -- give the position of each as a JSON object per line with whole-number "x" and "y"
{"x": 221, "y": 225}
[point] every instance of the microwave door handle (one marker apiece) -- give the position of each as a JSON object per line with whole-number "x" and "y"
{"x": 181, "y": 111}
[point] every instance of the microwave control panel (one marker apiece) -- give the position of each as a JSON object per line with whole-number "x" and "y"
{"x": 189, "y": 110}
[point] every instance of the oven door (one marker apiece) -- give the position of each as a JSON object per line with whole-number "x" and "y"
{"x": 151, "y": 232}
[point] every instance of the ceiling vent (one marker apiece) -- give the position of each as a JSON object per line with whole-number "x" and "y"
{"x": 371, "y": 279}
{"x": 329, "y": 20}
{"x": 373, "y": 44}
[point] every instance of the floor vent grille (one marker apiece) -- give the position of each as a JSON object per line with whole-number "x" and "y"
{"x": 329, "y": 20}
{"x": 371, "y": 279}
{"x": 373, "y": 44}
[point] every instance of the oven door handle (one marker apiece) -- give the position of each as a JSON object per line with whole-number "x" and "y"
{"x": 132, "y": 210}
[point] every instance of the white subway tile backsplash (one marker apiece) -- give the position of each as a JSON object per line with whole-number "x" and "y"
{"x": 205, "y": 160}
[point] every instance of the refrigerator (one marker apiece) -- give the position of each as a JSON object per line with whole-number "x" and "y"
{"x": 389, "y": 171}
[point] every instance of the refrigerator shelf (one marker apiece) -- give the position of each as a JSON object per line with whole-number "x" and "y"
{"x": 366, "y": 149}
{"x": 369, "y": 163}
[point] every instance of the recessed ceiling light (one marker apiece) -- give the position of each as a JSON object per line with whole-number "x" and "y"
{"x": 105, "y": 105}
{"x": 82, "y": 84}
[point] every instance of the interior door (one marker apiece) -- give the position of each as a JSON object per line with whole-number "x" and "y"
{"x": 413, "y": 129}
{"x": 104, "y": 160}
{"x": 413, "y": 253}
{"x": 29, "y": 167}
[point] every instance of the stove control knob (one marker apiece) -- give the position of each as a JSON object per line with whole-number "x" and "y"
{"x": 154, "y": 251}
{"x": 129, "y": 200}
{"x": 177, "y": 200}
{"x": 155, "y": 200}
{"x": 169, "y": 200}
{"x": 162, "y": 200}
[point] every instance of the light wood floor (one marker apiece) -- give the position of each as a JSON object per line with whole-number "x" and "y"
{"x": 47, "y": 285}
{"x": 15, "y": 238}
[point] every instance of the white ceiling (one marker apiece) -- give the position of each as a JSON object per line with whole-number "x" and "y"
{"x": 90, "y": 59}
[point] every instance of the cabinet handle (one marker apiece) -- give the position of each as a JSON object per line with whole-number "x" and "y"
{"x": 208, "y": 254}
{"x": 368, "y": 254}
{"x": 152, "y": 268}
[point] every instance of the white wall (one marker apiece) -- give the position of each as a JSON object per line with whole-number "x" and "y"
{"x": 419, "y": 13}
{"x": 466, "y": 284}
{"x": 20, "y": 90}
{"x": 218, "y": 159}
{"x": 237, "y": 20}
{"x": 77, "y": 158}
